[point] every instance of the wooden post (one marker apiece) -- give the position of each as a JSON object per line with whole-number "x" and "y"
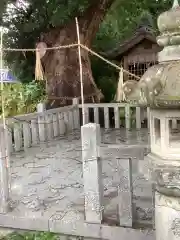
{"x": 80, "y": 69}
{"x": 92, "y": 172}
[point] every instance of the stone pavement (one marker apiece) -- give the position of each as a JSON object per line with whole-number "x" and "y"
{"x": 46, "y": 181}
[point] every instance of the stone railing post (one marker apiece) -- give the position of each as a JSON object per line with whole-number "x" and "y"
{"x": 125, "y": 192}
{"x": 41, "y": 122}
{"x": 41, "y": 107}
{"x": 4, "y": 173}
{"x": 92, "y": 172}
{"x": 76, "y": 114}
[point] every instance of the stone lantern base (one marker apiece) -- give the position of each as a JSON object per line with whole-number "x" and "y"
{"x": 164, "y": 171}
{"x": 165, "y": 176}
{"x": 159, "y": 88}
{"x": 167, "y": 217}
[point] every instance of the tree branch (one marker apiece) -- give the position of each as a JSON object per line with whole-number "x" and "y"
{"x": 14, "y": 7}
{"x": 93, "y": 18}
{"x": 23, "y": 5}
{"x": 88, "y": 23}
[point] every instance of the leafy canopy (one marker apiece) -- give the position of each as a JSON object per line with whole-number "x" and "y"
{"x": 26, "y": 20}
{"x": 124, "y": 17}
{"x": 119, "y": 24}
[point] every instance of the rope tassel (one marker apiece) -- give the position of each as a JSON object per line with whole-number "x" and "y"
{"x": 39, "y": 73}
{"x": 120, "y": 93}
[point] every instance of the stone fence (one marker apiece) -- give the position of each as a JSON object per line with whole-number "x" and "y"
{"x": 93, "y": 187}
{"x": 116, "y": 115}
{"x": 29, "y": 130}
{"x": 92, "y": 227}
{"x": 92, "y": 176}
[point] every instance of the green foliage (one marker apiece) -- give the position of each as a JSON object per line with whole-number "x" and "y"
{"x": 22, "y": 98}
{"x": 31, "y": 236}
{"x": 108, "y": 87}
{"x": 105, "y": 77}
{"x": 26, "y": 24}
{"x": 120, "y": 23}
{"x": 124, "y": 17}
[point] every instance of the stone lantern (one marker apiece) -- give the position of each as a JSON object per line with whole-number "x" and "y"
{"x": 159, "y": 88}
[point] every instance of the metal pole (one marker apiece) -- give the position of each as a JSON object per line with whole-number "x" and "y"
{"x": 2, "y": 85}
{"x": 4, "y": 176}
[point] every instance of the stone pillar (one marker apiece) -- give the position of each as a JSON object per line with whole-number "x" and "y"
{"x": 92, "y": 172}
{"x": 76, "y": 114}
{"x": 159, "y": 89}
{"x": 4, "y": 173}
{"x": 41, "y": 107}
{"x": 125, "y": 192}
{"x": 164, "y": 167}
{"x": 41, "y": 122}
{"x": 167, "y": 199}
{"x": 167, "y": 217}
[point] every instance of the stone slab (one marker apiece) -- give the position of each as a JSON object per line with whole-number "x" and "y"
{"x": 95, "y": 231}
{"x": 24, "y": 223}
{"x": 116, "y": 233}
{"x": 76, "y": 228}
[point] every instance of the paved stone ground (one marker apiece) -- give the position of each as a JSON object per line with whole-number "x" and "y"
{"x": 46, "y": 181}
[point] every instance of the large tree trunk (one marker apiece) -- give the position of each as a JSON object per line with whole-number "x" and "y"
{"x": 62, "y": 66}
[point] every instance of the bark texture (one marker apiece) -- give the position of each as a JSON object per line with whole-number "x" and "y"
{"x": 62, "y": 66}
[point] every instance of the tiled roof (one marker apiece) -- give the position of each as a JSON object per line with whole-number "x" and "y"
{"x": 141, "y": 34}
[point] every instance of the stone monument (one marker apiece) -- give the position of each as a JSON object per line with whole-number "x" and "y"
{"x": 159, "y": 88}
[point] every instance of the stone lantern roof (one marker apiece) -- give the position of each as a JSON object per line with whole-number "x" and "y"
{"x": 160, "y": 85}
